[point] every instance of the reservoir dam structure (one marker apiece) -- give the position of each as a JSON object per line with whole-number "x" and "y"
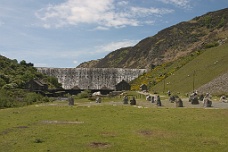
{"x": 91, "y": 78}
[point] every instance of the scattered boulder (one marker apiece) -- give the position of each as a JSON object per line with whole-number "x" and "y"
{"x": 201, "y": 97}
{"x": 148, "y": 98}
{"x": 133, "y": 101}
{"x": 125, "y": 100}
{"x": 194, "y": 99}
{"x": 70, "y": 101}
{"x": 223, "y": 99}
{"x": 158, "y": 101}
{"x": 152, "y": 99}
{"x": 207, "y": 102}
{"x": 98, "y": 100}
{"x": 173, "y": 98}
{"x": 179, "y": 102}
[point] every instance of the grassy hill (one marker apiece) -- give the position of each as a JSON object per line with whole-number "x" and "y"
{"x": 187, "y": 73}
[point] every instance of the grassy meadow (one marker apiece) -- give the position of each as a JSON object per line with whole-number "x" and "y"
{"x": 112, "y": 126}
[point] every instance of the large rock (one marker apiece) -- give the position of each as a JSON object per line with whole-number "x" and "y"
{"x": 125, "y": 100}
{"x": 133, "y": 101}
{"x": 158, "y": 101}
{"x": 179, "y": 102}
{"x": 194, "y": 99}
{"x": 70, "y": 101}
{"x": 207, "y": 102}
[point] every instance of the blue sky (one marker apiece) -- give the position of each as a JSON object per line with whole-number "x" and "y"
{"x": 65, "y": 33}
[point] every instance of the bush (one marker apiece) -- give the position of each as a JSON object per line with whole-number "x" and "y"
{"x": 84, "y": 94}
{"x": 210, "y": 45}
{"x": 10, "y": 86}
{"x": 32, "y": 97}
{"x": 45, "y": 99}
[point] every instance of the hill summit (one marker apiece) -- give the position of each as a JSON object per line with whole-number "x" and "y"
{"x": 202, "y": 32}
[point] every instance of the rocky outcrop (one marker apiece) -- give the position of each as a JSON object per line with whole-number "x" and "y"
{"x": 217, "y": 86}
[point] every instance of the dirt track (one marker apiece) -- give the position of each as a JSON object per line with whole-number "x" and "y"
{"x": 142, "y": 103}
{"x": 165, "y": 104}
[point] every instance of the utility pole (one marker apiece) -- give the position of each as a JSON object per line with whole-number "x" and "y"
{"x": 164, "y": 86}
{"x": 193, "y": 82}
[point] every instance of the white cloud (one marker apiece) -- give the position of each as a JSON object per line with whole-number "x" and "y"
{"x": 115, "y": 45}
{"x": 102, "y": 28}
{"x": 75, "y": 62}
{"x": 178, "y": 3}
{"x": 140, "y": 11}
{"x": 102, "y": 13}
{"x": 122, "y": 3}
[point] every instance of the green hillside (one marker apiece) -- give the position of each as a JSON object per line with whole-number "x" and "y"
{"x": 13, "y": 77}
{"x": 187, "y": 73}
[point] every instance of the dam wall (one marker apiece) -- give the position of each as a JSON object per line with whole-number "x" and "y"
{"x": 91, "y": 78}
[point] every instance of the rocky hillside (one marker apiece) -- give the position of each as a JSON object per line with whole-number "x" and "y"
{"x": 169, "y": 44}
{"x": 217, "y": 86}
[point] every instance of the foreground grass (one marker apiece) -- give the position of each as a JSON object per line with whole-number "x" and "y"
{"x": 115, "y": 127}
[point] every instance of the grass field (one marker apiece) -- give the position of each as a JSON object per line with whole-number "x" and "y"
{"x": 112, "y": 126}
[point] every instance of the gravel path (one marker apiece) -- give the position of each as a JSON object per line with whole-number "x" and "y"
{"x": 140, "y": 103}
{"x": 165, "y": 104}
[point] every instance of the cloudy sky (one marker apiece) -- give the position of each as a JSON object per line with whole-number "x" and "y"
{"x": 65, "y": 33}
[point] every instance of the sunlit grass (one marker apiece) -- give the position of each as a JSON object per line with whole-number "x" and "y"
{"x": 112, "y": 126}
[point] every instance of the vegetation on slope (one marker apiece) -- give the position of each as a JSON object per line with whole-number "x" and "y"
{"x": 171, "y": 43}
{"x": 188, "y": 73}
{"x": 13, "y": 78}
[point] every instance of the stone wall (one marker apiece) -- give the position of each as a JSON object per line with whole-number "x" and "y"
{"x": 91, "y": 78}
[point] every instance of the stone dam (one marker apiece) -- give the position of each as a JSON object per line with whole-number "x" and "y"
{"x": 92, "y": 78}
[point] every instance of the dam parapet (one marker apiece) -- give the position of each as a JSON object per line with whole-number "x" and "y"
{"x": 91, "y": 78}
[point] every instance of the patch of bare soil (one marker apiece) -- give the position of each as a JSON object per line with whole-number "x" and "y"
{"x": 155, "y": 133}
{"x": 108, "y": 134}
{"x": 145, "y": 132}
{"x": 210, "y": 142}
{"x": 6, "y": 131}
{"x": 21, "y": 127}
{"x": 12, "y": 129}
{"x": 61, "y": 122}
{"x": 99, "y": 145}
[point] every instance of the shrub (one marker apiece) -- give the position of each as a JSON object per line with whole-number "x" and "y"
{"x": 45, "y": 99}
{"x": 210, "y": 45}
{"x": 84, "y": 94}
{"x": 9, "y": 86}
{"x": 32, "y": 97}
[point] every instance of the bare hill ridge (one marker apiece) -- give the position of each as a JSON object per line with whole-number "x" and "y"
{"x": 169, "y": 44}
